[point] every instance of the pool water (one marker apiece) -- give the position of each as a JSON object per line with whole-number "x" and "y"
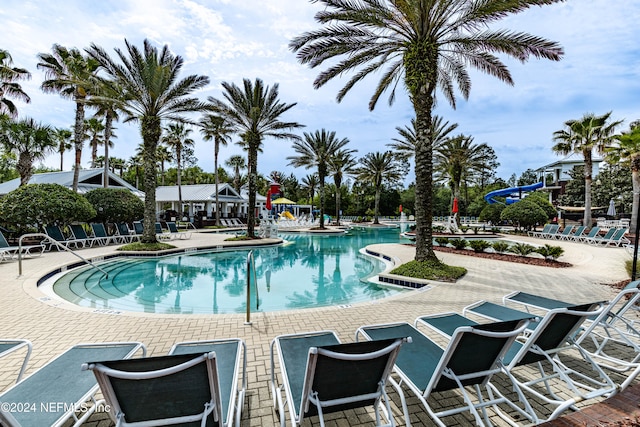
{"x": 312, "y": 270}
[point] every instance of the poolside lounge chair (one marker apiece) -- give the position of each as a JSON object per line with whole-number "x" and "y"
{"x": 566, "y": 232}
{"x": 7, "y": 347}
{"x": 196, "y": 384}
{"x": 597, "y": 239}
{"x": 618, "y": 238}
{"x": 577, "y": 232}
{"x": 138, "y": 228}
{"x": 607, "y": 332}
{"x": 55, "y": 233}
{"x": 320, "y": 375}
{"x": 472, "y": 356}
{"x": 7, "y": 251}
{"x": 101, "y": 235}
{"x": 173, "y": 229}
{"x": 545, "y": 230}
{"x": 124, "y": 233}
{"x": 559, "y": 359}
{"x": 60, "y": 389}
{"x": 161, "y": 233}
{"x": 79, "y": 234}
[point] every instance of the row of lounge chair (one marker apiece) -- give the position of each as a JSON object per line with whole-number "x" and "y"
{"x": 612, "y": 237}
{"x": 564, "y": 349}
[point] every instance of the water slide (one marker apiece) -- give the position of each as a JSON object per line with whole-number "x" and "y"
{"x": 287, "y": 215}
{"x": 512, "y": 194}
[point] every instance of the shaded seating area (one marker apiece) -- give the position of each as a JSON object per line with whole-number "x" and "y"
{"x": 471, "y": 358}
{"x": 320, "y": 375}
{"x": 61, "y": 380}
{"x": 198, "y": 383}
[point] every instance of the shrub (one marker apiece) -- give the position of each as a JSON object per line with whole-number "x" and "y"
{"x": 522, "y": 249}
{"x": 500, "y": 246}
{"x": 491, "y": 213}
{"x": 479, "y": 245}
{"x": 442, "y": 241}
{"x": 524, "y": 214}
{"x": 550, "y": 252}
{"x": 30, "y": 207}
{"x": 115, "y": 205}
{"x": 458, "y": 243}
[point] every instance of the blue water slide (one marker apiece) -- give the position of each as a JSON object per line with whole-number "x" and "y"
{"x": 512, "y": 194}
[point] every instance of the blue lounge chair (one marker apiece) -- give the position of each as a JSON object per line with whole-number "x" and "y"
{"x": 472, "y": 357}
{"x": 597, "y": 239}
{"x": 100, "y": 234}
{"x": 173, "y": 229}
{"x": 196, "y": 383}
{"x": 566, "y": 232}
{"x": 79, "y": 234}
{"x": 551, "y": 344}
{"x": 320, "y": 375}
{"x": 7, "y": 347}
{"x": 577, "y": 233}
{"x": 7, "y": 251}
{"x": 60, "y": 390}
{"x": 162, "y": 234}
{"x": 124, "y": 234}
{"x": 138, "y": 228}
{"x": 545, "y": 230}
{"x": 595, "y": 231}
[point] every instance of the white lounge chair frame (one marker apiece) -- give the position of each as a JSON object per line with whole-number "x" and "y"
{"x": 8, "y": 346}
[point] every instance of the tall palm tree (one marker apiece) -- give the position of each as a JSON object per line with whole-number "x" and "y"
{"x": 62, "y": 137}
{"x": 94, "y": 132}
{"x": 310, "y": 183}
{"x": 341, "y": 163}
{"x": 582, "y": 136}
{"x": 70, "y": 73}
{"x": 425, "y": 45}
{"x": 107, "y": 96}
{"x": 379, "y": 168}
{"x": 238, "y": 163}
{"x": 177, "y": 137}
{"x": 9, "y": 75}
{"x": 405, "y": 146}
{"x": 315, "y": 151}
{"x": 116, "y": 163}
{"x": 216, "y": 128}
{"x": 29, "y": 140}
{"x": 626, "y": 150}
{"x": 254, "y": 111}
{"x": 151, "y": 93}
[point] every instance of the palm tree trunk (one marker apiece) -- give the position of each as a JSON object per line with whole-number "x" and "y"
{"x": 588, "y": 172}
{"x": 78, "y": 134}
{"x": 635, "y": 180}
{"x": 178, "y": 156}
{"x": 321, "y": 179}
{"x": 376, "y": 205}
{"x": 338, "y": 200}
{"x": 216, "y": 149}
{"x": 151, "y": 132}
{"x": 252, "y": 160}
{"x": 25, "y": 168}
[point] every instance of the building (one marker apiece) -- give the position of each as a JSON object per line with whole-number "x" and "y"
{"x": 88, "y": 179}
{"x": 555, "y": 176}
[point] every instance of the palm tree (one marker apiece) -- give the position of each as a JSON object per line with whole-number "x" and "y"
{"x": 163, "y": 155}
{"x": 117, "y": 163}
{"x": 341, "y": 163}
{"x": 379, "y": 168}
{"x": 62, "y": 137}
{"x": 254, "y": 111}
{"x": 151, "y": 93}
{"x": 94, "y": 132}
{"x": 426, "y": 45}
{"x": 627, "y": 151}
{"x": 406, "y": 145}
{"x": 107, "y": 96}
{"x": 238, "y": 163}
{"x": 310, "y": 183}
{"x": 316, "y": 150}
{"x": 456, "y": 159}
{"x": 29, "y": 140}
{"x": 9, "y": 75}
{"x": 216, "y": 128}
{"x": 583, "y": 136}
{"x": 177, "y": 138}
{"x": 69, "y": 73}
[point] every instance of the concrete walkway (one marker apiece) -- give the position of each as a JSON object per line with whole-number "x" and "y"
{"x": 53, "y": 326}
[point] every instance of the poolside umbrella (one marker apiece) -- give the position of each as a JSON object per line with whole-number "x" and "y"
{"x": 455, "y": 205}
{"x": 400, "y": 209}
{"x": 283, "y": 201}
{"x": 612, "y": 208}
{"x": 269, "y": 200}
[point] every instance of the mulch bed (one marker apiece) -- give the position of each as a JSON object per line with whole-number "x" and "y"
{"x": 505, "y": 257}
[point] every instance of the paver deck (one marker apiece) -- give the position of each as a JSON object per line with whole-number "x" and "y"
{"x": 53, "y": 326}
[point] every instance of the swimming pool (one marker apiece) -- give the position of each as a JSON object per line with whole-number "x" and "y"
{"x": 312, "y": 270}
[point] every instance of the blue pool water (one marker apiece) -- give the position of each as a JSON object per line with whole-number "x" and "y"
{"x": 312, "y": 271}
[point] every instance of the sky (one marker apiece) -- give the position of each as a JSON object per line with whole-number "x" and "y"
{"x": 228, "y": 40}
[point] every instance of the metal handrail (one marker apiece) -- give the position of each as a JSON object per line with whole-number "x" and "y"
{"x": 251, "y": 263}
{"x": 58, "y": 245}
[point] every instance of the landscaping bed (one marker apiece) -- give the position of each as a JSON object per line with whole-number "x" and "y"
{"x": 505, "y": 257}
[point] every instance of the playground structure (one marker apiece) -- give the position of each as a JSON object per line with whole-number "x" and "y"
{"x": 512, "y": 194}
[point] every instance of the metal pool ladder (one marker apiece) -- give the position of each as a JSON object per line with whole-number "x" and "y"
{"x": 251, "y": 265}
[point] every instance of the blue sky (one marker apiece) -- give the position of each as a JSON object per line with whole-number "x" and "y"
{"x": 229, "y": 40}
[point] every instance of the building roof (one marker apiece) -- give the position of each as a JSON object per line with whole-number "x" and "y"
{"x": 88, "y": 179}
{"x": 198, "y": 193}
